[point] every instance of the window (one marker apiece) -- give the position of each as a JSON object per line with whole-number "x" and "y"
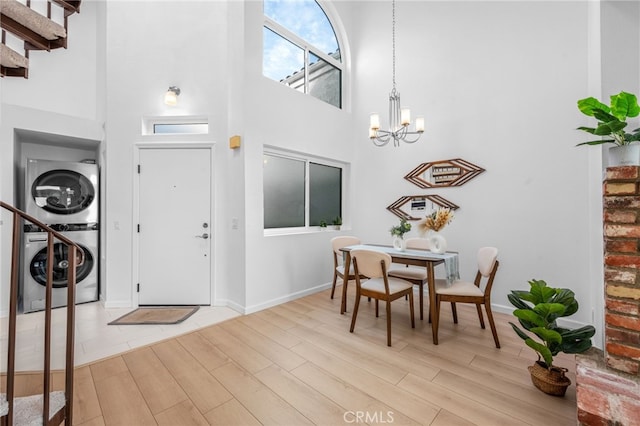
{"x": 177, "y": 125}
{"x": 300, "y": 192}
{"x": 300, "y": 49}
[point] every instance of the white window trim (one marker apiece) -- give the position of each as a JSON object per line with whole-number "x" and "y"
{"x": 148, "y": 123}
{"x": 309, "y": 158}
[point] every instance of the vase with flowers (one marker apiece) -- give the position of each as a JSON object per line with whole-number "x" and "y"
{"x": 431, "y": 226}
{"x": 397, "y": 232}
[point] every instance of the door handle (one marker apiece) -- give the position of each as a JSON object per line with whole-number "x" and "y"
{"x": 204, "y": 236}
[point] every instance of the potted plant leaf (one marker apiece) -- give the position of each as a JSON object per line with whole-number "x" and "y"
{"x": 537, "y": 312}
{"x": 397, "y": 232}
{"x": 337, "y": 223}
{"x": 612, "y": 121}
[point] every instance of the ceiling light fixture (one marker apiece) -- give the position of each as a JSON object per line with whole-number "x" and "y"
{"x": 399, "y": 118}
{"x": 171, "y": 97}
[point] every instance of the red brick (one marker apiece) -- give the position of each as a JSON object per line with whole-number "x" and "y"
{"x": 630, "y": 323}
{"x": 623, "y": 364}
{"x": 622, "y": 231}
{"x": 620, "y": 216}
{"x": 623, "y": 307}
{"x": 607, "y": 381}
{"x": 623, "y": 350}
{"x": 621, "y": 246}
{"x": 623, "y": 173}
{"x": 588, "y": 419}
{"x": 621, "y": 202}
{"x": 622, "y": 260}
{"x": 590, "y": 399}
{"x": 628, "y": 411}
{"x": 622, "y": 336}
{"x": 622, "y": 276}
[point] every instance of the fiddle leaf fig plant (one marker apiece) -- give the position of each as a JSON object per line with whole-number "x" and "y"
{"x": 611, "y": 119}
{"x": 537, "y": 312}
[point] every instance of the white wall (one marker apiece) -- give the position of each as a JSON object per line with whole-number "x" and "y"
{"x": 498, "y": 84}
{"x": 496, "y": 81}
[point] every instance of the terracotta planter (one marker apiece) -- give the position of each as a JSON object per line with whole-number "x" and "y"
{"x": 552, "y": 382}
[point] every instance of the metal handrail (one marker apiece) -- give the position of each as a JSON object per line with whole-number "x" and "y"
{"x": 76, "y": 258}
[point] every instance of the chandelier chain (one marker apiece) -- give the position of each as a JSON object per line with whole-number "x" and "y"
{"x": 393, "y": 41}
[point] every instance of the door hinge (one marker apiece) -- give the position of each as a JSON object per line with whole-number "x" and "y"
{"x": 138, "y": 228}
{"x": 138, "y": 287}
{"x": 138, "y": 168}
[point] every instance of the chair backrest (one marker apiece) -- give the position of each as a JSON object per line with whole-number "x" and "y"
{"x": 417, "y": 243}
{"x": 339, "y": 242}
{"x": 487, "y": 257}
{"x": 368, "y": 263}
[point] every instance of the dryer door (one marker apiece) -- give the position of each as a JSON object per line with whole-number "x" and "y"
{"x": 38, "y": 266}
{"x": 62, "y": 192}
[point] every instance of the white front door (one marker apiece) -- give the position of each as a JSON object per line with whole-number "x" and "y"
{"x": 174, "y": 226}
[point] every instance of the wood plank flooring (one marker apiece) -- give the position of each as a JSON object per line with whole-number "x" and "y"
{"x": 297, "y": 364}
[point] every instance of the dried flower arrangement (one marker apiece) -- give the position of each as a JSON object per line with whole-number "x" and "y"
{"x": 437, "y": 220}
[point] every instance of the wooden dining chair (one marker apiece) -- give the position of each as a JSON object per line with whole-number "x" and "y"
{"x": 472, "y": 292}
{"x": 338, "y": 268}
{"x": 378, "y": 285}
{"x": 416, "y": 275}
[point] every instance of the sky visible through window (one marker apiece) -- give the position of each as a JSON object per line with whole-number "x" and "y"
{"x": 307, "y": 20}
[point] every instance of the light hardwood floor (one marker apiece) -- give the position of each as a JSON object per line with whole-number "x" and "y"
{"x": 297, "y": 364}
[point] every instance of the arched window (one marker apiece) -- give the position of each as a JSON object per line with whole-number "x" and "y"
{"x": 301, "y": 50}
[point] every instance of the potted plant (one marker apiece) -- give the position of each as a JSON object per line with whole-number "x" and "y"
{"x": 612, "y": 121}
{"x": 433, "y": 223}
{"x": 397, "y": 232}
{"x": 323, "y": 225}
{"x": 537, "y": 312}
{"x": 337, "y": 222}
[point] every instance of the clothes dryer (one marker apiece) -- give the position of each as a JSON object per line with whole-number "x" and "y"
{"x": 61, "y": 191}
{"x": 35, "y": 267}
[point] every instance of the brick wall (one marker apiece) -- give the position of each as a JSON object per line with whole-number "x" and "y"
{"x": 608, "y": 383}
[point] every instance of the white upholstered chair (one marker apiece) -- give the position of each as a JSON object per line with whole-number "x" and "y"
{"x": 416, "y": 275}
{"x": 338, "y": 268}
{"x": 379, "y": 286}
{"x": 472, "y": 292}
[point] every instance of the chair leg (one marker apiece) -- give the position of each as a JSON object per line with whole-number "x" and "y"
{"x": 388, "y": 323}
{"x": 437, "y": 316}
{"x": 454, "y": 312}
{"x": 355, "y": 312}
{"x": 492, "y": 324}
{"x": 421, "y": 294}
{"x": 333, "y": 286}
{"x": 413, "y": 321}
{"x": 376, "y": 308}
{"x": 480, "y": 315}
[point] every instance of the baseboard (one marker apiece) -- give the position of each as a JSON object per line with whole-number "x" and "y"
{"x": 287, "y": 298}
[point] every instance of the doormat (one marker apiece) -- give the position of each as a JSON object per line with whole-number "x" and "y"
{"x": 156, "y": 315}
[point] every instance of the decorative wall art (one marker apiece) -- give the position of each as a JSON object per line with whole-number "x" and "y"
{"x": 417, "y": 206}
{"x": 435, "y": 174}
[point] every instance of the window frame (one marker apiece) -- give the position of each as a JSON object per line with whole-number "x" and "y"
{"x": 308, "y": 48}
{"x": 307, "y": 158}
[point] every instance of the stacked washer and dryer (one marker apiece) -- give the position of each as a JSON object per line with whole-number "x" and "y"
{"x": 64, "y": 195}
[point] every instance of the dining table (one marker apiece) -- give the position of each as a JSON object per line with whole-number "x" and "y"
{"x": 416, "y": 257}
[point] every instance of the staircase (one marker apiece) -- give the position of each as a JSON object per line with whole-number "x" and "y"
{"x": 25, "y": 29}
{"x": 48, "y": 408}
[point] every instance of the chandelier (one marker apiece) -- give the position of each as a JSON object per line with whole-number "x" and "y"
{"x": 399, "y": 118}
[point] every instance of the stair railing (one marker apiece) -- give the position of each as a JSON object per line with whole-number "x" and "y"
{"x": 76, "y": 258}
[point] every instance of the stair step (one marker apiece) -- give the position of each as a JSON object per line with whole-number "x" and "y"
{"x": 27, "y": 410}
{"x": 32, "y": 20}
{"x": 11, "y": 59}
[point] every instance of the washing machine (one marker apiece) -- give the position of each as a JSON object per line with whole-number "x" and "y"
{"x": 35, "y": 266}
{"x": 61, "y": 191}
